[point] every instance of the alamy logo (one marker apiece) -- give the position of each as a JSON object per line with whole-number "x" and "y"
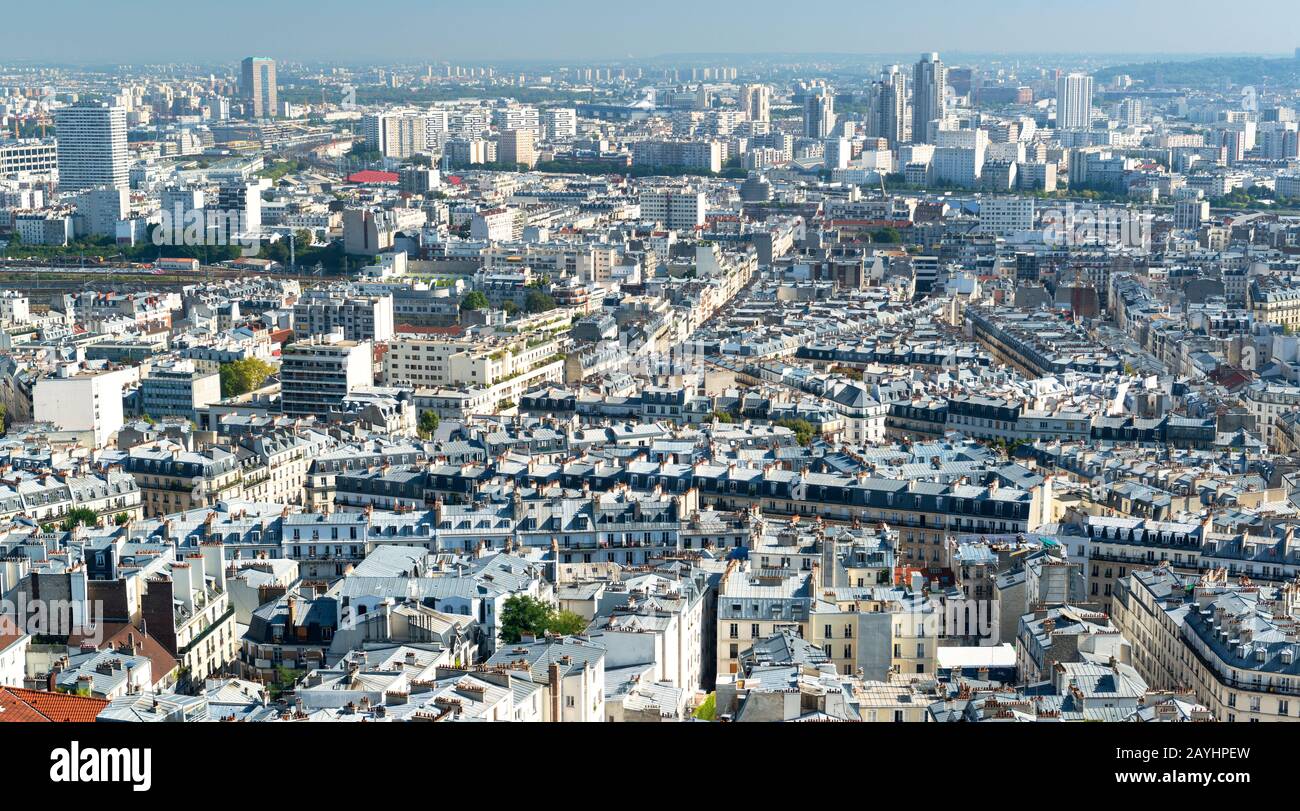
{"x": 210, "y": 227}
{"x": 91, "y": 765}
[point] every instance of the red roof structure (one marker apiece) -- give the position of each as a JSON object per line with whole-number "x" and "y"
{"x": 21, "y": 705}
{"x": 373, "y": 176}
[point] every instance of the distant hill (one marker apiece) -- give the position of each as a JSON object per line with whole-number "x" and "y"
{"x": 1208, "y": 73}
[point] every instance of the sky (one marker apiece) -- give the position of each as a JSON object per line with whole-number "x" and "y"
{"x": 99, "y": 32}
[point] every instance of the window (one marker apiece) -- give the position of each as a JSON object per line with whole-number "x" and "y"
{"x": 569, "y": 702}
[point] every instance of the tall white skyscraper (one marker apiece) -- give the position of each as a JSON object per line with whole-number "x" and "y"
{"x": 928, "y": 80}
{"x": 756, "y": 101}
{"x": 1074, "y": 102}
{"x": 893, "y": 119}
{"x": 819, "y": 113}
{"x": 92, "y": 146}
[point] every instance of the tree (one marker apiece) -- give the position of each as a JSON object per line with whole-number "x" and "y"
{"x": 475, "y": 300}
{"x": 242, "y": 376}
{"x": 803, "y": 430}
{"x": 538, "y": 302}
{"x": 122, "y": 518}
{"x": 723, "y": 416}
{"x": 510, "y": 307}
{"x": 521, "y": 615}
{"x": 80, "y": 516}
{"x": 886, "y": 235}
{"x": 566, "y": 623}
{"x": 4, "y": 419}
{"x": 427, "y": 424}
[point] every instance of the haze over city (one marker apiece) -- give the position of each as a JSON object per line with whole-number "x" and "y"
{"x": 89, "y": 31}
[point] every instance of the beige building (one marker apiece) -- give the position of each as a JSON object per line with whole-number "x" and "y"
{"x": 1232, "y": 644}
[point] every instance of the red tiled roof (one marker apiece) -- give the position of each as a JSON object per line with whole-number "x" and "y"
{"x": 373, "y": 176}
{"x": 18, "y": 704}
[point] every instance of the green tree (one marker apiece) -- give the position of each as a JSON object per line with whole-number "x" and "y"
{"x": 475, "y": 300}
{"x": 521, "y": 615}
{"x": 723, "y": 416}
{"x": 510, "y": 307}
{"x": 427, "y": 424}
{"x": 242, "y": 376}
{"x": 4, "y": 419}
{"x": 708, "y": 709}
{"x": 80, "y": 516}
{"x": 566, "y": 623}
{"x": 886, "y": 235}
{"x": 803, "y": 430}
{"x": 538, "y": 302}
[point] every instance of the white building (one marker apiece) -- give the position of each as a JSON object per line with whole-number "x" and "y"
{"x": 92, "y": 146}
{"x": 87, "y": 400}
{"x": 1006, "y": 216}
{"x": 675, "y": 208}
{"x": 1074, "y": 102}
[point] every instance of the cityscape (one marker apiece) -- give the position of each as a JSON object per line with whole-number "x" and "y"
{"x": 951, "y": 384}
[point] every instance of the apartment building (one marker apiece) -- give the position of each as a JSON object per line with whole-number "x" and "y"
{"x": 1233, "y": 644}
{"x": 360, "y": 317}
{"x": 316, "y": 375}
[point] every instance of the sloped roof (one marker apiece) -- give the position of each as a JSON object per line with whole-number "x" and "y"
{"x": 21, "y": 705}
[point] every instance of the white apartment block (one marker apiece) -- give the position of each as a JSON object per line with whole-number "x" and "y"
{"x": 1006, "y": 216}
{"x": 82, "y": 400}
{"x": 681, "y": 209}
{"x": 92, "y": 146}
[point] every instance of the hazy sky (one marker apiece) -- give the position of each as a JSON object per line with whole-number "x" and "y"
{"x": 106, "y": 31}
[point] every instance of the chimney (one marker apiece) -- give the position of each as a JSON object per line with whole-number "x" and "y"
{"x": 214, "y": 562}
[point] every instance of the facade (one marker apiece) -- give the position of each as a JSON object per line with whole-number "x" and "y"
{"x": 257, "y": 87}
{"x": 316, "y": 375}
{"x": 1074, "y": 102}
{"x": 178, "y": 390}
{"x": 92, "y": 146}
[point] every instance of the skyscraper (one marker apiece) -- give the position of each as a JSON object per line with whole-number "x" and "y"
{"x": 928, "y": 80}
{"x": 819, "y": 113}
{"x": 1074, "y": 102}
{"x": 892, "y": 115}
{"x": 516, "y": 146}
{"x": 756, "y": 101}
{"x": 92, "y": 146}
{"x": 257, "y": 86}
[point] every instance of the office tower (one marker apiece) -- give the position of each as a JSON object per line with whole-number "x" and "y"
{"x": 892, "y": 115}
{"x": 928, "y": 104}
{"x": 257, "y": 86}
{"x": 756, "y": 101}
{"x": 516, "y": 146}
{"x": 819, "y": 113}
{"x": 560, "y": 123}
{"x": 1074, "y": 102}
{"x": 91, "y": 146}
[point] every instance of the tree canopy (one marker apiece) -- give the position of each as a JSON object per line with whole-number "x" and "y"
{"x": 538, "y": 302}
{"x": 427, "y": 424}
{"x": 523, "y": 614}
{"x": 242, "y": 376}
{"x": 474, "y": 300}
